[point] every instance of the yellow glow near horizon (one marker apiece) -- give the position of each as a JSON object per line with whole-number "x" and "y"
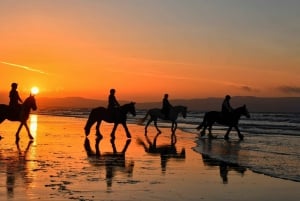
{"x": 34, "y": 90}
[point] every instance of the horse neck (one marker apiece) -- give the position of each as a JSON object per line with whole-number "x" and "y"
{"x": 179, "y": 109}
{"x": 239, "y": 111}
{"x": 125, "y": 108}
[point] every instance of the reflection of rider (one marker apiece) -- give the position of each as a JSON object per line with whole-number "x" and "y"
{"x": 226, "y": 107}
{"x": 113, "y": 104}
{"x": 166, "y": 106}
{"x": 14, "y": 97}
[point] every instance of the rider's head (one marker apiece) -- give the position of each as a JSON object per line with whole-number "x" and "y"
{"x": 166, "y": 95}
{"x": 227, "y": 97}
{"x": 112, "y": 91}
{"x": 14, "y": 85}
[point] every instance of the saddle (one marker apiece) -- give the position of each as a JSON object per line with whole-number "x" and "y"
{"x": 114, "y": 113}
{"x": 14, "y": 112}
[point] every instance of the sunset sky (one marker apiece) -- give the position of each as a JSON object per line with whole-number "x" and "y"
{"x": 145, "y": 48}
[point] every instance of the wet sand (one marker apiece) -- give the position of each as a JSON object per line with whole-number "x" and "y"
{"x": 62, "y": 164}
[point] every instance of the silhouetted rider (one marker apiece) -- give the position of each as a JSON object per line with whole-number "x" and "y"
{"x": 226, "y": 107}
{"x": 14, "y": 99}
{"x": 166, "y": 106}
{"x": 113, "y": 104}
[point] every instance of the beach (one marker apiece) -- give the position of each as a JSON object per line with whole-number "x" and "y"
{"x": 63, "y": 164}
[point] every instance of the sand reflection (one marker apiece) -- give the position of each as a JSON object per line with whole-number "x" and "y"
{"x": 114, "y": 161}
{"x": 165, "y": 151}
{"x": 224, "y": 154}
{"x": 17, "y": 169}
{"x": 33, "y": 125}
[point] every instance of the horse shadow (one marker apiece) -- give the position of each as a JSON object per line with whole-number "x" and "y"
{"x": 165, "y": 151}
{"x": 15, "y": 164}
{"x": 225, "y": 150}
{"x": 113, "y": 162}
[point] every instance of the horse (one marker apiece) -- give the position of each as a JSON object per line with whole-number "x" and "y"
{"x": 156, "y": 113}
{"x": 20, "y": 115}
{"x": 231, "y": 121}
{"x": 101, "y": 113}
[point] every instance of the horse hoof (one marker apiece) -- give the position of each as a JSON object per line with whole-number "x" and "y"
{"x": 226, "y": 137}
{"x": 241, "y": 137}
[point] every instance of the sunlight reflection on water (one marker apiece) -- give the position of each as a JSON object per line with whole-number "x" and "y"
{"x": 33, "y": 124}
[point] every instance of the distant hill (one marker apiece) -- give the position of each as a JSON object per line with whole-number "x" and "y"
{"x": 254, "y": 104}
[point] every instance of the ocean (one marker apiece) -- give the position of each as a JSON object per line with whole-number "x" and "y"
{"x": 271, "y": 144}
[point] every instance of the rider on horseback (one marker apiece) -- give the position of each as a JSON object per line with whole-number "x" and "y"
{"x": 14, "y": 97}
{"x": 166, "y": 106}
{"x": 226, "y": 107}
{"x": 113, "y": 104}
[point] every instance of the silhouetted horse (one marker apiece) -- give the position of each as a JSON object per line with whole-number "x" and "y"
{"x": 156, "y": 113}
{"x": 21, "y": 115}
{"x": 231, "y": 121}
{"x": 101, "y": 113}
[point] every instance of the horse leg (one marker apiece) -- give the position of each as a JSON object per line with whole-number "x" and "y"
{"x": 210, "y": 131}
{"x": 98, "y": 134}
{"x": 126, "y": 130}
{"x": 148, "y": 123}
{"x": 28, "y": 131}
{"x": 174, "y": 127}
{"x": 112, "y": 135}
{"x": 18, "y": 131}
{"x": 155, "y": 124}
{"x": 239, "y": 133}
{"x": 226, "y": 137}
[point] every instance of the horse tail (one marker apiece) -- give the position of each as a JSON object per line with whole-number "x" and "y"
{"x": 142, "y": 120}
{"x": 91, "y": 120}
{"x": 203, "y": 122}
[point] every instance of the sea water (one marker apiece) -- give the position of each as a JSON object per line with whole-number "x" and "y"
{"x": 271, "y": 144}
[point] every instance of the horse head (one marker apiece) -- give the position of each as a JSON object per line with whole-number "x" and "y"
{"x": 182, "y": 110}
{"x": 30, "y": 103}
{"x": 243, "y": 111}
{"x": 130, "y": 107}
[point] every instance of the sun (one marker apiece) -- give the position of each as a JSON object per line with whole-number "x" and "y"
{"x": 34, "y": 90}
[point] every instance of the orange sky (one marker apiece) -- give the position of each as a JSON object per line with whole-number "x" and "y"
{"x": 143, "y": 49}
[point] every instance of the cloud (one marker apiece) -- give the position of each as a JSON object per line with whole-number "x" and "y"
{"x": 289, "y": 89}
{"x": 248, "y": 89}
{"x": 24, "y": 67}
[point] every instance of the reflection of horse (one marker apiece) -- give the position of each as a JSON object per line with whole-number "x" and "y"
{"x": 231, "y": 121}
{"x": 101, "y": 113}
{"x": 112, "y": 161}
{"x": 225, "y": 155}
{"x": 156, "y": 113}
{"x": 166, "y": 151}
{"x": 17, "y": 169}
{"x": 22, "y": 115}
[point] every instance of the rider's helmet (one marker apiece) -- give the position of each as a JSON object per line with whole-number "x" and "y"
{"x": 227, "y": 97}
